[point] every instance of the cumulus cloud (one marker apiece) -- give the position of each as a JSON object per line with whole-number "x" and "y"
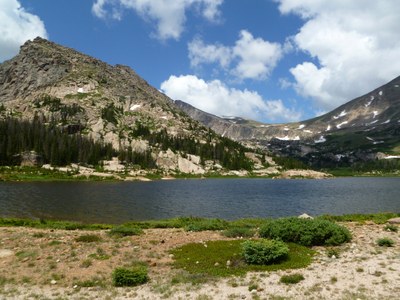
{"x": 170, "y": 16}
{"x": 249, "y": 58}
{"x": 217, "y": 98}
{"x": 16, "y": 27}
{"x": 355, "y": 47}
{"x": 257, "y": 57}
{"x": 200, "y": 53}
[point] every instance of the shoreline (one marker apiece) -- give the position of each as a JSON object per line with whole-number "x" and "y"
{"x": 36, "y": 174}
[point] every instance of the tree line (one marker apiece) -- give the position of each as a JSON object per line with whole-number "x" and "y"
{"x": 229, "y": 153}
{"x": 52, "y": 143}
{"x": 57, "y": 146}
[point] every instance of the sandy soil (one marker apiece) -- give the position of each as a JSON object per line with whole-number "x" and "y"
{"x": 47, "y": 264}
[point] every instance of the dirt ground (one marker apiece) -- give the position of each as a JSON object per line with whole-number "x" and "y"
{"x": 51, "y": 264}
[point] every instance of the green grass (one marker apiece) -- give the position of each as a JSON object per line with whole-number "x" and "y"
{"x": 378, "y": 218}
{"x": 124, "y": 230}
{"x": 292, "y": 278}
{"x": 17, "y": 173}
{"x": 88, "y": 238}
{"x": 385, "y": 242}
{"x": 391, "y": 228}
{"x": 195, "y": 258}
{"x": 51, "y": 224}
{"x": 187, "y": 223}
{"x": 235, "y": 232}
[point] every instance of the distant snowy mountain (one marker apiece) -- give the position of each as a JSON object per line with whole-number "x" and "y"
{"x": 357, "y": 130}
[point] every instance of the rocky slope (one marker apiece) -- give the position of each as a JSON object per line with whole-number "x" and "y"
{"x": 357, "y": 130}
{"x": 106, "y": 103}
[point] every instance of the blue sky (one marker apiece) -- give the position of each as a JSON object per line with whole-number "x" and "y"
{"x": 268, "y": 60}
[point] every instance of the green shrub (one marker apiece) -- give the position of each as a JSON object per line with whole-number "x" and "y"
{"x": 292, "y": 279}
{"x": 307, "y": 232}
{"x": 88, "y": 238}
{"x": 385, "y": 242}
{"x": 200, "y": 224}
{"x": 331, "y": 252}
{"x": 264, "y": 252}
{"x": 238, "y": 232}
{"x": 130, "y": 277}
{"x": 378, "y": 218}
{"x": 391, "y": 227}
{"x": 124, "y": 230}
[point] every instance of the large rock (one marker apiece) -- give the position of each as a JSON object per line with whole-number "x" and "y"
{"x": 167, "y": 160}
{"x": 186, "y": 166}
{"x": 304, "y": 174}
{"x": 394, "y": 221}
{"x": 30, "y": 159}
{"x": 113, "y": 165}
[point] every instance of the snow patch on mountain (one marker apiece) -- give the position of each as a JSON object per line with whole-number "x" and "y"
{"x": 321, "y": 139}
{"x": 342, "y": 114}
{"x": 338, "y": 126}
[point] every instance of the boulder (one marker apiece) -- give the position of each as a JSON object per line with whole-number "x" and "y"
{"x": 113, "y": 165}
{"x": 186, "y": 166}
{"x": 305, "y": 174}
{"x": 394, "y": 221}
{"x": 29, "y": 159}
{"x": 167, "y": 160}
{"x": 305, "y": 216}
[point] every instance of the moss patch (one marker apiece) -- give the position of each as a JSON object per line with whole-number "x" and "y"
{"x": 224, "y": 258}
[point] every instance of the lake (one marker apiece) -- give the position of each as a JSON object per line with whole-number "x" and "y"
{"x": 118, "y": 202}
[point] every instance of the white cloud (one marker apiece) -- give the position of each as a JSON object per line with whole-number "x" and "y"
{"x": 216, "y": 98}
{"x": 200, "y": 53}
{"x": 170, "y": 16}
{"x": 357, "y": 47}
{"x": 257, "y": 57}
{"x": 249, "y": 58}
{"x": 16, "y": 27}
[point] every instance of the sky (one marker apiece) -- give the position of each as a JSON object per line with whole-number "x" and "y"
{"x": 268, "y": 60}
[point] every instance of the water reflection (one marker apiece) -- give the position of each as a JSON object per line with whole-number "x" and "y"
{"x": 218, "y": 198}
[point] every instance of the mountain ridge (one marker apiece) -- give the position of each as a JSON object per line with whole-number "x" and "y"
{"x": 374, "y": 118}
{"x": 111, "y": 104}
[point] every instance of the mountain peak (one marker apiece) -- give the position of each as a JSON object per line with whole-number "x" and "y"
{"x": 110, "y": 104}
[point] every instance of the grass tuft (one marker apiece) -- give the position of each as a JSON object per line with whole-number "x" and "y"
{"x": 124, "y": 230}
{"x": 88, "y": 238}
{"x": 385, "y": 242}
{"x": 292, "y": 279}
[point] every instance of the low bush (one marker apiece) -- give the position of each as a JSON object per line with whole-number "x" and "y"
{"x": 292, "y": 279}
{"x": 391, "y": 227}
{"x": 130, "y": 276}
{"x": 238, "y": 232}
{"x": 88, "y": 238}
{"x": 124, "y": 230}
{"x": 264, "y": 252}
{"x": 331, "y": 252}
{"x": 378, "y": 218}
{"x": 306, "y": 232}
{"x": 200, "y": 224}
{"x": 385, "y": 242}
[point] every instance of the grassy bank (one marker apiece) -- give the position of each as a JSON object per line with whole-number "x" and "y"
{"x": 35, "y": 174}
{"x": 42, "y": 175}
{"x": 188, "y": 223}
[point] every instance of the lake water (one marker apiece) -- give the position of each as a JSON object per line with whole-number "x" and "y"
{"x": 119, "y": 202}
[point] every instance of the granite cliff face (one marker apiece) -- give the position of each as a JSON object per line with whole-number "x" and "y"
{"x": 359, "y": 130}
{"x": 108, "y": 103}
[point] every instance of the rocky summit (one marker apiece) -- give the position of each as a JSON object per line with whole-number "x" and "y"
{"x": 364, "y": 129}
{"x": 68, "y": 94}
